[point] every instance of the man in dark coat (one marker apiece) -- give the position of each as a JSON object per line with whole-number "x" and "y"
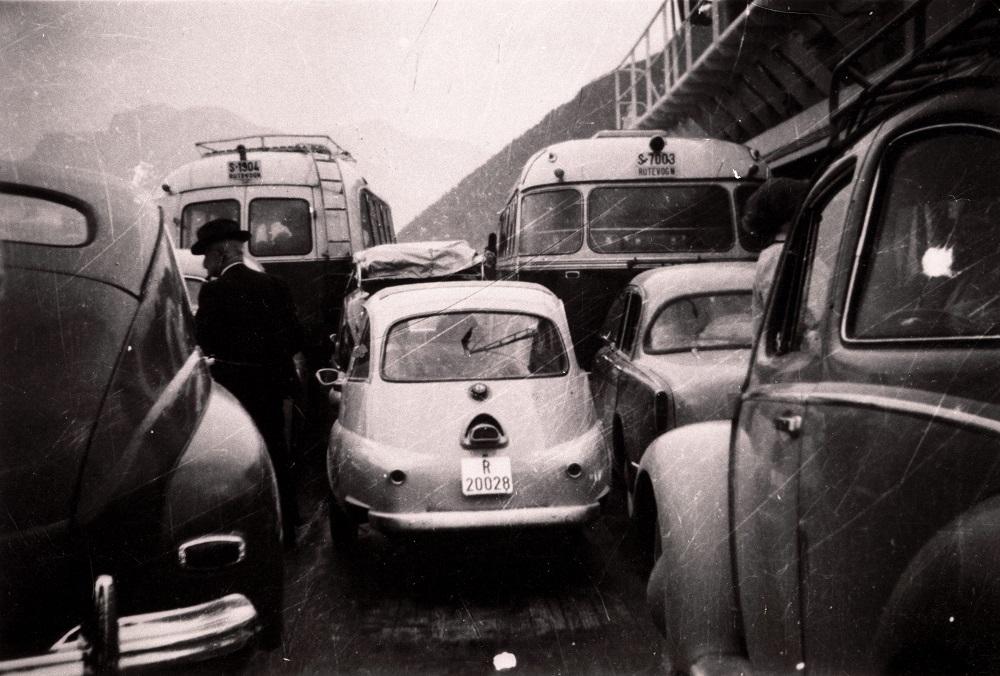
{"x": 246, "y": 320}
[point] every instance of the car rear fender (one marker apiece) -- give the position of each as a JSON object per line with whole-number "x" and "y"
{"x": 224, "y": 476}
{"x": 946, "y": 604}
{"x": 690, "y": 592}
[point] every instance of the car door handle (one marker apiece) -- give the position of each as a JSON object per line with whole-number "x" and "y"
{"x": 792, "y": 424}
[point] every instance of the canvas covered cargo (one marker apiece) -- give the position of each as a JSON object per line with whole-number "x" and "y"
{"x": 417, "y": 260}
{"x": 385, "y": 265}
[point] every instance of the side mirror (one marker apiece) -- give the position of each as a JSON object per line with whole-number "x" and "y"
{"x": 328, "y": 377}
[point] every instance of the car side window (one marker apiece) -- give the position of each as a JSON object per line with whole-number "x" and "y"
{"x": 631, "y": 323}
{"x": 827, "y": 216}
{"x": 802, "y": 283}
{"x": 360, "y": 357}
{"x": 611, "y": 331}
{"x": 40, "y": 220}
{"x": 929, "y": 263}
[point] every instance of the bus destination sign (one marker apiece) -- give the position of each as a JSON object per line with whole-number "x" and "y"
{"x": 244, "y": 170}
{"x": 656, "y": 164}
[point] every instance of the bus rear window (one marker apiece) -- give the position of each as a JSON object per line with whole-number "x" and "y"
{"x": 280, "y": 227}
{"x": 660, "y": 219}
{"x": 552, "y": 222}
{"x": 198, "y": 214}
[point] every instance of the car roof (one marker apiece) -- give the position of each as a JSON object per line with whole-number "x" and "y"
{"x": 123, "y": 229}
{"x": 433, "y": 297}
{"x": 674, "y": 281}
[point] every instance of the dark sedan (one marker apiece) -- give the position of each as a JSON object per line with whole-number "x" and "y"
{"x": 122, "y": 463}
{"x": 676, "y": 348}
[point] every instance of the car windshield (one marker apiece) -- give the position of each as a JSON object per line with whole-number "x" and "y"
{"x": 658, "y": 219}
{"x": 473, "y": 346}
{"x": 701, "y": 322}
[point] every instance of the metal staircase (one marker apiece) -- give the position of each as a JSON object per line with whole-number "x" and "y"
{"x": 768, "y": 72}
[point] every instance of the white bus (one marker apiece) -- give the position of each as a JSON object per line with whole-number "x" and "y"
{"x": 306, "y": 206}
{"x": 586, "y": 215}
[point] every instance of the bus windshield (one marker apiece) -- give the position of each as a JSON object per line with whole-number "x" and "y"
{"x": 660, "y": 219}
{"x": 552, "y": 222}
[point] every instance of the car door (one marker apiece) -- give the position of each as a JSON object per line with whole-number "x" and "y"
{"x": 899, "y": 472}
{"x": 632, "y": 403}
{"x": 604, "y": 372}
{"x": 356, "y": 389}
{"x": 768, "y": 437}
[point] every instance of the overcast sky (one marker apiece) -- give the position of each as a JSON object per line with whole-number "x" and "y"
{"x": 482, "y": 71}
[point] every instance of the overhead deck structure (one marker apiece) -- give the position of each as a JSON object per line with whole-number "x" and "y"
{"x": 761, "y": 72}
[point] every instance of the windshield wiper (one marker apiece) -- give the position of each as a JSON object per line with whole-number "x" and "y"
{"x": 500, "y": 342}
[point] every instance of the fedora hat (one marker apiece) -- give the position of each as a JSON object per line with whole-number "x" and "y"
{"x": 216, "y": 231}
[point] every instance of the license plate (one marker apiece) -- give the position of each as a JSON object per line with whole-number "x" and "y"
{"x": 487, "y": 476}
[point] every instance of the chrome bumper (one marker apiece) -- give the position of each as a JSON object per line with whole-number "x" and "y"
{"x": 162, "y": 639}
{"x": 495, "y": 518}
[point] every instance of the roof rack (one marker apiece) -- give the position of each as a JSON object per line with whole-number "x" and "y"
{"x": 314, "y": 144}
{"x": 943, "y": 39}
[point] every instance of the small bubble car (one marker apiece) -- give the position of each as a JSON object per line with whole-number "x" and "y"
{"x": 464, "y": 408}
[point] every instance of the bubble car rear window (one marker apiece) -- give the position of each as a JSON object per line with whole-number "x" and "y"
{"x": 473, "y": 346}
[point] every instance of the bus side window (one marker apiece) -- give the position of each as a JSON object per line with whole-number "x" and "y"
{"x": 388, "y": 224}
{"x": 386, "y": 221}
{"x": 502, "y": 233}
{"x": 366, "y": 221}
{"x": 382, "y": 239}
{"x": 505, "y": 243}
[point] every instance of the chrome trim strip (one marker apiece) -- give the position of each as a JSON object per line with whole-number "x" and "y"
{"x": 166, "y": 638}
{"x": 494, "y": 518}
{"x": 936, "y": 412}
{"x": 231, "y": 538}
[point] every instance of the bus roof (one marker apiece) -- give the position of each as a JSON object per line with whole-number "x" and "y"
{"x": 319, "y": 144}
{"x": 631, "y": 158}
{"x": 220, "y": 169}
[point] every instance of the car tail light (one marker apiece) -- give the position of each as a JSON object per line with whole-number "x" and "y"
{"x": 212, "y": 551}
{"x": 661, "y": 412}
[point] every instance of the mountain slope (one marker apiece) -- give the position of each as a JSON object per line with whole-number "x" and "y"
{"x": 144, "y": 144}
{"x": 469, "y": 210}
